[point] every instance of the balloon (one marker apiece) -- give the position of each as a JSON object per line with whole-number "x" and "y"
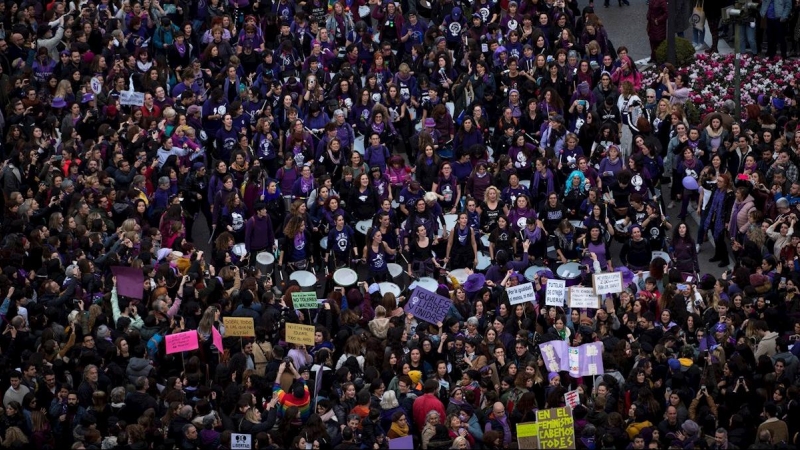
{"x": 690, "y": 183}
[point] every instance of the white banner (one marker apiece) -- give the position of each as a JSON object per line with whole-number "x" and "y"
{"x": 521, "y": 293}
{"x": 583, "y": 297}
{"x": 607, "y": 283}
{"x": 556, "y": 292}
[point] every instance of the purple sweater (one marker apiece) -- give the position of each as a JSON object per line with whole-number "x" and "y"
{"x": 258, "y": 233}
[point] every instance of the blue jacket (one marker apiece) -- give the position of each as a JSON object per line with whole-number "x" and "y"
{"x": 782, "y": 8}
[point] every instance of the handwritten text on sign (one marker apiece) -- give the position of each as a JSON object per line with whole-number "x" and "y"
{"x": 299, "y": 334}
{"x": 556, "y": 291}
{"x": 239, "y": 326}
{"x": 582, "y": 297}
{"x": 555, "y": 428}
{"x": 181, "y": 342}
{"x": 521, "y": 293}
{"x": 607, "y": 283}
{"x": 305, "y": 300}
{"x": 427, "y": 306}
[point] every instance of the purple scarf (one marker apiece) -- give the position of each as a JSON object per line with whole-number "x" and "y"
{"x": 306, "y": 185}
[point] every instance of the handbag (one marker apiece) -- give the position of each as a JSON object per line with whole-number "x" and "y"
{"x": 698, "y": 18}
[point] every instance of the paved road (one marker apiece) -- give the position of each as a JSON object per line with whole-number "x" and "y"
{"x": 626, "y": 26}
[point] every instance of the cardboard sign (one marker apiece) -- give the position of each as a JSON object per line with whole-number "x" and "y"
{"x": 305, "y": 300}
{"x": 555, "y": 293}
{"x": 556, "y": 428}
{"x": 528, "y": 435}
{"x": 607, "y": 283}
{"x": 216, "y": 339}
{"x": 300, "y": 334}
{"x": 572, "y": 399}
{"x": 521, "y": 293}
{"x": 427, "y": 306}
{"x": 241, "y": 441}
{"x": 181, "y": 342}
{"x": 130, "y": 281}
{"x": 582, "y": 297}
{"x": 131, "y": 98}
{"x": 239, "y": 326}
{"x": 402, "y": 443}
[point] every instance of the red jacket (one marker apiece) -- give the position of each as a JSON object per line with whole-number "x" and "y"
{"x": 425, "y": 404}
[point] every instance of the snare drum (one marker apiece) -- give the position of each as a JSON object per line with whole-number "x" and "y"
{"x": 363, "y": 226}
{"x": 460, "y": 275}
{"x": 526, "y": 183}
{"x": 324, "y": 243}
{"x": 345, "y": 277}
{"x": 397, "y": 273}
{"x": 265, "y": 262}
{"x": 569, "y": 272}
{"x": 427, "y": 283}
{"x": 305, "y": 279}
{"x": 239, "y": 250}
{"x": 389, "y": 287}
{"x": 485, "y": 241}
{"x": 531, "y": 272}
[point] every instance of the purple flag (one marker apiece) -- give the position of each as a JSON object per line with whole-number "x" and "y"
{"x": 591, "y": 362}
{"x": 554, "y": 354}
{"x": 129, "y": 281}
{"x": 427, "y": 306}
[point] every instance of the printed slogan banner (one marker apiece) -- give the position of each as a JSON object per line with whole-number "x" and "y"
{"x": 427, "y": 306}
{"x": 554, "y": 354}
{"x": 586, "y": 360}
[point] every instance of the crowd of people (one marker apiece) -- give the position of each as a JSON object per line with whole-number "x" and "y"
{"x": 462, "y": 148}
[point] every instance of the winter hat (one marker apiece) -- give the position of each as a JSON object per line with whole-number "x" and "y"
{"x": 551, "y": 375}
{"x": 690, "y": 427}
{"x": 415, "y": 376}
{"x": 583, "y": 88}
{"x": 102, "y": 332}
{"x": 674, "y": 364}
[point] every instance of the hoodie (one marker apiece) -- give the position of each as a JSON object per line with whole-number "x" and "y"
{"x": 767, "y": 345}
{"x": 138, "y": 367}
{"x": 258, "y": 233}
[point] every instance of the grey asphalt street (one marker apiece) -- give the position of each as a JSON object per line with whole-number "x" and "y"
{"x": 626, "y": 26}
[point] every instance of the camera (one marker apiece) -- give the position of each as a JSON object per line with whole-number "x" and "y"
{"x": 177, "y": 318}
{"x": 94, "y": 112}
{"x": 287, "y": 360}
{"x": 76, "y": 301}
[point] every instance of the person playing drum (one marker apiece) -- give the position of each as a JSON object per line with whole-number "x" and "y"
{"x": 341, "y": 244}
{"x": 376, "y": 255}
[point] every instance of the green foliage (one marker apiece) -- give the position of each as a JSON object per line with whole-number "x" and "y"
{"x": 684, "y": 52}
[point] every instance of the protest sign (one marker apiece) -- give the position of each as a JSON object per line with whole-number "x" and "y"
{"x": 592, "y": 359}
{"x": 556, "y": 428}
{"x": 317, "y": 380}
{"x": 556, "y": 291}
{"x": 300, "y": 334}
{"x": 401, "y": 443}
{"x": 554, "y": 354}
{"x": 585, "y": 360}
{"x": 131, "y": 98}
{"x": 216, "y": 338}
{"x": 528, "y": 435}
{"x": 181, "y": 342}
{"x": 572, "y": 399}
{"x": 241, "y": 441}
{"x": 583, "y": 297}
{"x": 574, "y": 358}
{"x": 607, "y": 283}
{"x": 305, "y": 300}
{"x": 130, "y": 281}
{"x": 239, "y": 326}
{"x": 521, "y": 293}
{"x": 427, "y": 306}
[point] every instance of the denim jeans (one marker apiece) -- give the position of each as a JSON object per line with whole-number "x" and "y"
{"x": 747, "y": 39}
{"x": 698, "y": 36}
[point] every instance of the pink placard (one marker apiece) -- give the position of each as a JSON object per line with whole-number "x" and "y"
{"x": 181, "y": 342}
{"x": 216, "y": 338}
